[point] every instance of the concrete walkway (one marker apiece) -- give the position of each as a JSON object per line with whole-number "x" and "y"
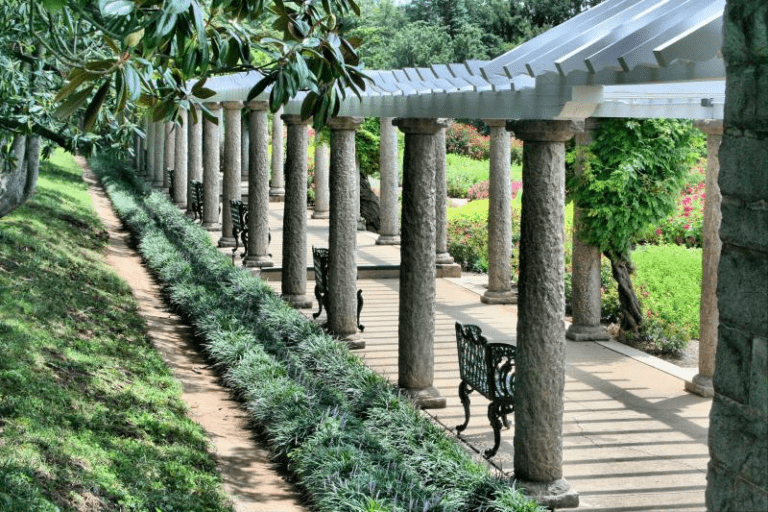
{"x": 634, "y": 440}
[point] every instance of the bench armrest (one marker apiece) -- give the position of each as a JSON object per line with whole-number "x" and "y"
{"x": 501, "y": 358}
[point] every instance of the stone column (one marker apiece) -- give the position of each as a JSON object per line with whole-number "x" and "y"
{"x": 195, "y": 143}
{"x": 416, "y": 317}
{"x": 232, "y": 171}
{"x": 389, "y": 231}
{"x": 277, "y": 186}
{"x": 342, "y": 233}
{"x": 180, "y": 161}
{"x": 294, "y": 277}
{"x": 211, "y": 164}
{"x": 499, "y": 218}
{"x": 446, "y": 266}
{"x": 585, "y": 282}
{"x": 258, "y": 186}
{"x": 701, "y": 384}
{"x": 159, "y": 153}
{"x": 322, "y": 193}
{"x": 149, "y": 153}
{"x": 169, "y": 153}
{"x": 540, "y": 360}
{"x": 244, "y": 149}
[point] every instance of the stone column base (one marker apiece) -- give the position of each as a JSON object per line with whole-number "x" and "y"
{"x": 449, "y": 270}
{"x": 181, "y": 206}
{"x": 427, "y": 398}
{"x": 298, "y": 301}
{"x": 258, "y": 261}
{"x": 388, "y": 240}
{"x": 276, "y": 195}
{"x": 587, "y": 333}
{"x": 353, "y": 341}
{"x": 444, "y": 258}
{"x": 211, "y": 226}
{"x": 701, "y": 386}
{"x": 507, "y": 297}
{"x": 552, "y": 495}
{"x": 321, "y": 215}
{"x": 227, "y": 241}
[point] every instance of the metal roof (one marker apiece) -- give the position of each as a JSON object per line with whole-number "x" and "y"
{"x": 597, "y": 64}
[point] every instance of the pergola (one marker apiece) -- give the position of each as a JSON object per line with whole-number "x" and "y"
{"x": 622, "y": 58}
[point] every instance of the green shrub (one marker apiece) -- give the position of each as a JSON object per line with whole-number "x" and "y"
{"x": 462, "y": 173}
{"x": 668, "y": 281}
{"x": 367, "y": 142}
{"x": 466, "y": 140}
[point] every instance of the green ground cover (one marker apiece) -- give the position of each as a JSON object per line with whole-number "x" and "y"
{"x": 90, "y": 416}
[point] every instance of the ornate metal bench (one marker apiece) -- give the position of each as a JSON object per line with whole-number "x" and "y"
{"x": 239, "y": 213}
{"x": 488, "y": 368}
{"x": 320, "y": 261}
{"x": 196, "y": 191}
{"x": 170, "y": 172}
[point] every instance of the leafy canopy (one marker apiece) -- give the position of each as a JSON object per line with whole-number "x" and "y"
{"x": 629, "y": 177}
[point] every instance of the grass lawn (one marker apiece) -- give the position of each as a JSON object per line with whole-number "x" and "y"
{"x": 90, "y": 415}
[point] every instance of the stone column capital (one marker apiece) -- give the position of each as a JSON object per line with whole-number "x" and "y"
{"x": 496, "y": 123}
{"x": 257, "y": 105}
{"x": 232, "y": 105}
{"x": 214, "y": 105}
{"x": 544, "y": 130}
{"x": 710, "y": 126}
{"x": 426, "y": 126}
{"x": 295, "y": 119}
{"x": 345, "y": 123}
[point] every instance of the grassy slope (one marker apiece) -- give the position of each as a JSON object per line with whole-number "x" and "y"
{"x": 90, "y": 416}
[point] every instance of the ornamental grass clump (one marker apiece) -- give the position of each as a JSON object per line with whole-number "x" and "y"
{"x": 353, "y": 442}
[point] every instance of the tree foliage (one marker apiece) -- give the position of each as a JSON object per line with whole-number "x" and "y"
{"x": 628, "y": 178}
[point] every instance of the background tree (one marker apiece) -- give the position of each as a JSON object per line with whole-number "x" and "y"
{"x": 629, "y": 178}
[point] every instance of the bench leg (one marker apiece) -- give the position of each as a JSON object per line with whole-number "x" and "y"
{"x": 464, "y": 392}
{"x": 359, "y": 309}
{"x": 244, "y": 238}
{"x": 319, "y": 297}
{"x": 237, "y": 244}
{"x": 494, "y": 414}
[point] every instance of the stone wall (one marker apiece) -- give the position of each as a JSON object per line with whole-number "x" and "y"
{"x": 738, "y": 437}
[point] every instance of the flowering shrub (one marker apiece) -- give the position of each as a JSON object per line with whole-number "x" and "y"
{"x": 462, "y": 139}
{"x": 685, "y": 226}
{"x": 481, "y": 190}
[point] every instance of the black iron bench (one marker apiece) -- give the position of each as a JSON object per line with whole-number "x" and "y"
{"x": 239, "y": 214}
{"x": 320, "y": 261}
{"x": 196, "y": 194}
{"x": 488, "y": 368}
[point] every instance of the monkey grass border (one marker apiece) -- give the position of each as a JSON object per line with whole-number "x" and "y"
{"x": 350, "y": 439}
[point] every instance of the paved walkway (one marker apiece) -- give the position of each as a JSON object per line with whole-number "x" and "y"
{"x": 633, "y": 439}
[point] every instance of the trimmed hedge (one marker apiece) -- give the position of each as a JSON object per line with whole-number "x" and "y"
{"x": 348, "y": 435}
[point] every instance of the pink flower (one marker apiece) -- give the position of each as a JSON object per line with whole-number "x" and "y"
{"x": 687, "y": 226}
{"x": 658, "y": 232}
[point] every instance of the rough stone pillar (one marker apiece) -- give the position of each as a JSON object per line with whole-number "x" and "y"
{"x": 159, "y": 152}
{"x": 442, "y": 257}
{"x": 149, "y": 160}
{"x": 585, "y": 282}
{"x": 540, "y": 377}
{"x": 169, "y": 153}
{"x": 244, "y": 149}
{"x": 277, "y": 186}
{"x": 389, "y": 231}
{"x": 416, "y": 317}
{"x": 195, "y": 143}
{"x": 258, "y": 186}
{"x": 738, "y": 428}
{"x": 701, "y": 384}
{"x": 499, "y": 218}
{"x": 294, "y": 276}
{"x": 180, "y": 161}
{"x": 342, "y": 234}
{"x": 322, "y": 192}
{"x": 211, "y": 162}
{"x": 232, "y": 171}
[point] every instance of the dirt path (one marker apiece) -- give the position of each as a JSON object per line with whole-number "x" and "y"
{"x": 250, "y": 479}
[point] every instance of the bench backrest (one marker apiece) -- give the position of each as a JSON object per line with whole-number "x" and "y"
{"x": 487, "y": 367}
{"x": 237, "y": 211}
{"x": 320, "y": 261}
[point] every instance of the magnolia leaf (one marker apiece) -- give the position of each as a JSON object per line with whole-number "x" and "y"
{"x": 110, "y": 8}
{"x": 134, "y": 38}
{"x": 204, "y": 93}
{"x": 72, "y": 103}
{"x": 132, "y": 83}
{"x": 92, "y": 112}
{"x": 176, "y": 6}
{"x": 54, "y": 5}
